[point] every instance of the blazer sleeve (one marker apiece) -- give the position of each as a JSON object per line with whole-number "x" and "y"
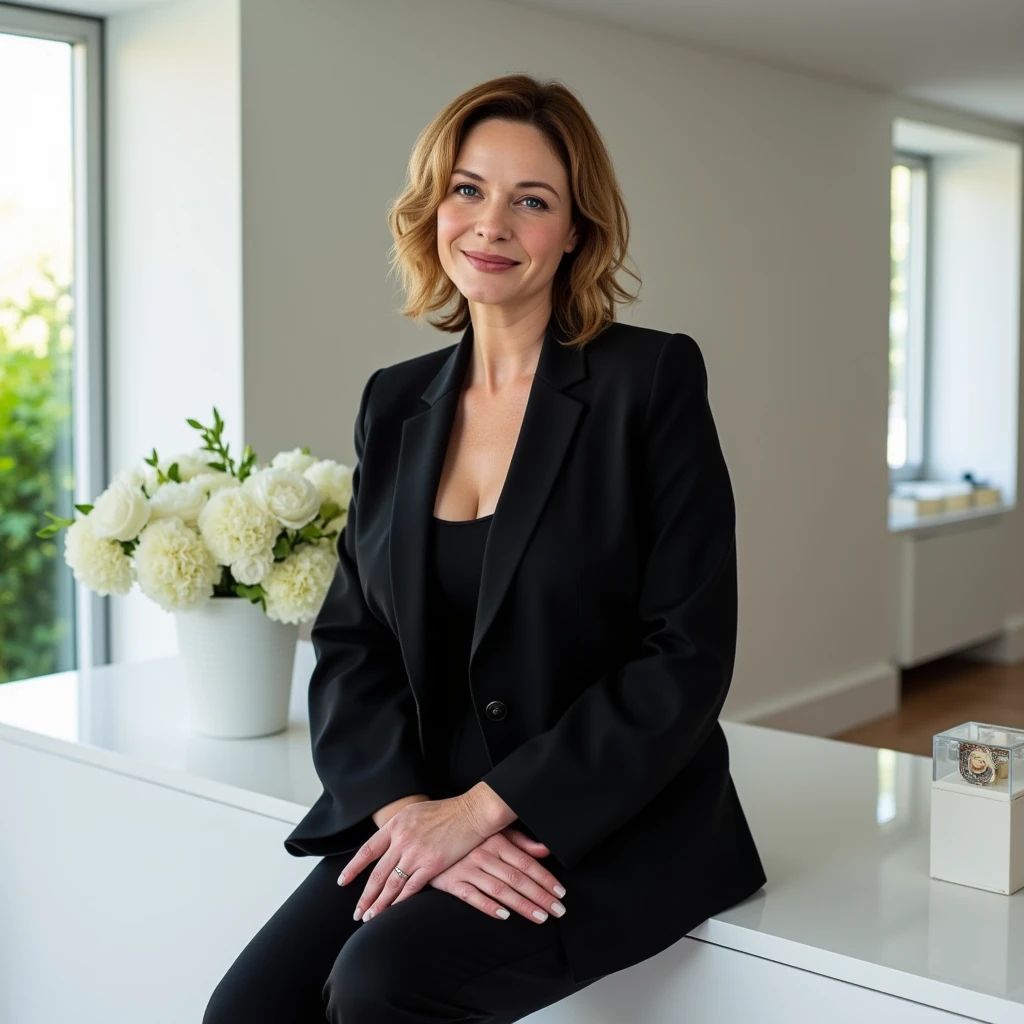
{"x": 362, "y": 714}
{"x": 637, "y": 726}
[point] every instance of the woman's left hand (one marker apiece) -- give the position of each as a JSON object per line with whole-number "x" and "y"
{"x": 423, "y": 839}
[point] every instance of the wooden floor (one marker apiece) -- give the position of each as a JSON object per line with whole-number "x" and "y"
{"x": 944, "y": 693}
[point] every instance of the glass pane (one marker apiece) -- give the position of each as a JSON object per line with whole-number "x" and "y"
{"x": 36, "y": 363}
{"x": 899, "y": 248}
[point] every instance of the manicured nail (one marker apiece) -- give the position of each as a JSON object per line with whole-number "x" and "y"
{"x": 559, "y": 891}
{"x": 558, "y": 909}
{"x": 540, "y": 915}
{"x": 368, "y": 914}
{"x": 341, "y": 881}
{"x": 502, "y": 912}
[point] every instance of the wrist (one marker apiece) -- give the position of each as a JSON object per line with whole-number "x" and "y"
{"x": 388, "y": 811}
{"x": 488, "y": 809}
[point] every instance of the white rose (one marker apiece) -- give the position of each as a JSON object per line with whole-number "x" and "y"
{"x": 288, "y": 496}
{"x": 192, "y": 463}
{"x": 334, "y": 482}
{"x": 235, "y": 526}
{"x": 183, "y": 500}
{"x": 296, "y": 460}
{"x": 120, "y": 512}
{"x": 98, "y": 562}
{"x": 215, "y": 480}
{"x": 296, "y": 587}
{"x": 133, "y": 477}
{"x": 250, "y": 569}
{"x": 174, "y": 567}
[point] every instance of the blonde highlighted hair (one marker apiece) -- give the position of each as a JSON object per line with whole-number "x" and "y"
{"x": 585, "y": 291}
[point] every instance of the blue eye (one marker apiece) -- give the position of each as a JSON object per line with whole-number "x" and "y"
{"x": 466, "y": 184}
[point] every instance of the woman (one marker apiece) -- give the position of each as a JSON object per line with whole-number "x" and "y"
{"x": 532, "y": 621}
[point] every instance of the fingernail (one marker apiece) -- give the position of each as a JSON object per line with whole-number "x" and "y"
{"x": 559, "y": 891}
{"x": 558, "y": 909}
{"x": 368, "y": 914}
{"x": 358, "y": 914}
{"x": 502, "y": 912}
{"x": 341, "y": 881}
{"x": 540, "y": 915}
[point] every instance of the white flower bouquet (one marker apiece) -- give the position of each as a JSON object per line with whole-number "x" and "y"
{"x": 197, "y": 526}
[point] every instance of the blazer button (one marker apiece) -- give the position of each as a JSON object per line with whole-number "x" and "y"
{"x": 496, "y": 710}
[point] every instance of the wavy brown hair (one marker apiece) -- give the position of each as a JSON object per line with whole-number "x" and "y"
{"x": 584, "y": 290}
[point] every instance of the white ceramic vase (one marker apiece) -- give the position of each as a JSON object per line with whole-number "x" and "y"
{"x": 237, "y": 666}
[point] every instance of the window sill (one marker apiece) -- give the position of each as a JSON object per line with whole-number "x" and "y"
{"x": 913, "y": 524}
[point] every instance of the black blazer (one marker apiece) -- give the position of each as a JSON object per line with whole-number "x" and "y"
{"x": 604, "y": 641}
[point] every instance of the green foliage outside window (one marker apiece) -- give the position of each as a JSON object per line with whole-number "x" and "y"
{"x": 36, "y": 467}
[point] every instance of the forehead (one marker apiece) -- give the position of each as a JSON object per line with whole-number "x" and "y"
{"x": 508, "y": 149}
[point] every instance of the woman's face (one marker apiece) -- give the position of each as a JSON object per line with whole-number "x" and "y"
{"x": 508, "y": 196}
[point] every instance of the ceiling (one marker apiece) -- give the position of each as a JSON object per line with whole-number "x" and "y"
{"x": 964, "y": 54}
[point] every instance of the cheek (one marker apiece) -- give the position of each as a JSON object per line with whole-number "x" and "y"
{"x": 449, "y": 224}
{"x": 543, "y": 244}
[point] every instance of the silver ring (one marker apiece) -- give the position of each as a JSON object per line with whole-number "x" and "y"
{"x": 401, "y": 872}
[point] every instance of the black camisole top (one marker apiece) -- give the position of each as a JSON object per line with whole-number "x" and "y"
{"x": 455, "y": 561}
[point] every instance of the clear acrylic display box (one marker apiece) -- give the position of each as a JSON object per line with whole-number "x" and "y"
{"x": 977, "y": 823}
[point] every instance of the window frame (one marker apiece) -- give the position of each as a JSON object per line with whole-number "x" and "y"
{"x": 920, "y": 274}
{"x": 85, "y": 36}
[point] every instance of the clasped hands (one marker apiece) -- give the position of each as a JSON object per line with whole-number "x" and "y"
{"x": 454, "y": 845}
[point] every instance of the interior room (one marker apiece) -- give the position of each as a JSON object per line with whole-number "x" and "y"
{"x": 196, "y": 256}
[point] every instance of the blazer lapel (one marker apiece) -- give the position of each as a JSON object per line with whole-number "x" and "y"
{"x": 549, "y": 422}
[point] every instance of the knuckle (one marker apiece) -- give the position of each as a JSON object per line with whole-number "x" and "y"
{"x": 464, "y": 892}
{"x": 515, "y": 878}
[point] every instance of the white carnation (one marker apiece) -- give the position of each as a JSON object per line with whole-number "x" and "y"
{"x": 296, "y": 460}
{"x": 174, "y": 567}
{"x": 120, "y": 512}
{"x": 235, "y": 526}
{"x": 98, "y": 562}
{"x": 183, "y": 500}
{"x": 250, "y": 569}
{"x": 288, "y": 496}
{"x": 295, "y": 588}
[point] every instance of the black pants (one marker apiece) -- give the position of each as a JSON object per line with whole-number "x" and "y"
{"x": 431, "y": 957}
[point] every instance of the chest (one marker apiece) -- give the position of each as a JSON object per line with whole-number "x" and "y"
{"x": 483, "y": 437}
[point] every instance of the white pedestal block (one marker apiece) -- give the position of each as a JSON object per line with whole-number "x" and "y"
{"x": 977, "y": 839}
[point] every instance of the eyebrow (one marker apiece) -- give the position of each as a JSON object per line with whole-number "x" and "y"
{"x": 519, "y": 184}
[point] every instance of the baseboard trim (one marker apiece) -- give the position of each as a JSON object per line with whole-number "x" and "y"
{"x": 1005, "y": 649}
{"x": 831, "y": 707}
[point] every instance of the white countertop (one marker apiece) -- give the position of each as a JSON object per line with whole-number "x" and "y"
{"x": 842, "y": 830}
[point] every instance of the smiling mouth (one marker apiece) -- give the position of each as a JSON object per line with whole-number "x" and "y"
{"x": 481, "y": 263}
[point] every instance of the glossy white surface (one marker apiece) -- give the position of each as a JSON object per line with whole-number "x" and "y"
{"x": 843, "y": 831}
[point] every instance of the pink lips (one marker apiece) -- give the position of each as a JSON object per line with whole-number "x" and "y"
{"x": 488, "y": 262}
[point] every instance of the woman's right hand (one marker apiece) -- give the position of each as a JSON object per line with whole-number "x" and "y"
{"x": 503, "y": 869}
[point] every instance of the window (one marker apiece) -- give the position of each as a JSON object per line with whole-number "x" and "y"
{"x": 51, "y": 395}
{"x": 908, "y": 328}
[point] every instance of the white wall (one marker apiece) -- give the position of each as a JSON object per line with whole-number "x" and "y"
{"x": 759, "y": 201}
{"x": 174, "y": 251}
